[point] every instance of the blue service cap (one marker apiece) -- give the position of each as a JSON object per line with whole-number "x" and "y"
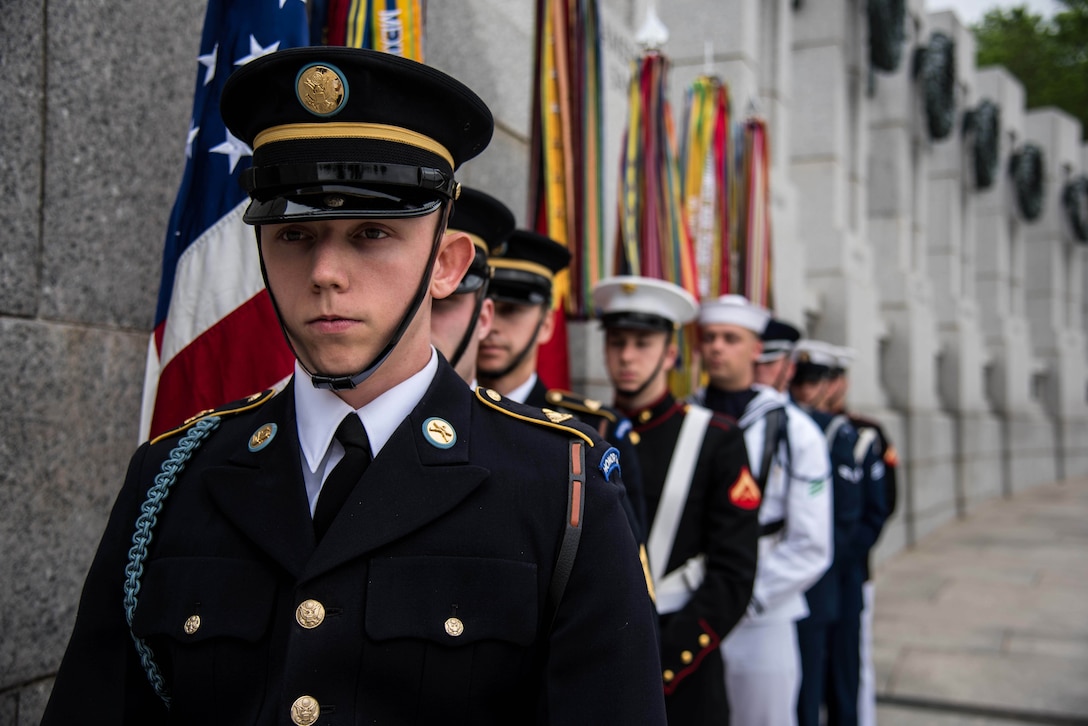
{"x": 778, "y": 337}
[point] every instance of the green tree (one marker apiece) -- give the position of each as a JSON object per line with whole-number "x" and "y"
{"x": 1049, "y": 56}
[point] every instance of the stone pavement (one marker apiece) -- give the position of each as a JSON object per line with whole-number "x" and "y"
{"x": 985, "y": 621}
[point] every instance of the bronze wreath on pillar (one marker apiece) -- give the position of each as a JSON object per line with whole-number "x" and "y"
{"x": 1075, "y": 201}
{"x": 1026, "y": 168}
{"x": 935, "y": 65}
{"x": 981, "y": 126}
{"x": 886, "y": 33}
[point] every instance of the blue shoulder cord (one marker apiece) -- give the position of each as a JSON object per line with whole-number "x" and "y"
{"x": 172, "y": 466}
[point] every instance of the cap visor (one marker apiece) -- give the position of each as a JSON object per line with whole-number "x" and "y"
{"x": 342, "y": 202}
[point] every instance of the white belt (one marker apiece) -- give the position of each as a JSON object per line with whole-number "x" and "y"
{"x": 675, "y": 589}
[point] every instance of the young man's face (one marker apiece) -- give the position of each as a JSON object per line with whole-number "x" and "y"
{"x": 511, "y": 332}
{"x": 635, "y": 358}
{"x": 776, "y": 373}
{"x": 342, "y": 286}
{"x": 728, "y": 353}
{"x": 836, "y": 393}
{"x": 809, "y": 393}
{"x": 450, "y": 320}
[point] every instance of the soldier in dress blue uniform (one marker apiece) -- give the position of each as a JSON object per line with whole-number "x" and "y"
{"x": 701, "y": 501}
{"x": 461, "y": 320}
{"x": 522, "y": 289}
{"x": 851, "y": 650}
{"x": 615, "y": 428}
{"x": 524, "y": 270}
{"x": 377, "y": 543}
{"x": 817, "y": 634}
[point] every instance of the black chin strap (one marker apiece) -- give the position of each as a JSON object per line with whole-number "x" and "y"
{"x": 471, "y": 329}
{"x": 524, "y": 351}
{"x": 781, "y": 381}
{"x": 646, "y": 384}
{"x": 344, "y": 383}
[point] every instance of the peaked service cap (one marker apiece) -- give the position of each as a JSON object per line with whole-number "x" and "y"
{"x": 814, "y": 360}
{"x": 643, "y": 303}
{"x": 488, "y": 222}
{"x": 344, "y": 133}
{"x": 524, "y": 266}
{"x": 778, "y": 338}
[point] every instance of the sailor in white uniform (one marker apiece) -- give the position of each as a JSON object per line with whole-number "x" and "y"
{"x": 789, "y": 459}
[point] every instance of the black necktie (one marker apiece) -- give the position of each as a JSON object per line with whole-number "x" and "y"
{"x": 345, "y": 475}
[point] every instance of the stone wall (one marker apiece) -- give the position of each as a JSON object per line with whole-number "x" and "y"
{"x": 969, "y": 321}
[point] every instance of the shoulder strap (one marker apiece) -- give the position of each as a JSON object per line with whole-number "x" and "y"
{"x": 674, "y": 494}
{"x": 866, "y": 437}
{"x": 568, "y": 550}
{"x": 833, "y": 429}
{"x": 776, "y": 420}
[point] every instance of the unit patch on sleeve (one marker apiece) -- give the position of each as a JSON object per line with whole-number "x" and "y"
{"x": 610, "y": 462}
{"x": 745, "y": 492}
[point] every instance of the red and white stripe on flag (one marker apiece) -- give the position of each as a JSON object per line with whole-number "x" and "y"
{"x": 216, "y": 336}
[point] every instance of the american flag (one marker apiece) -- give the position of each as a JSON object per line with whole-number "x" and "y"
{"x": 216, "y": 336}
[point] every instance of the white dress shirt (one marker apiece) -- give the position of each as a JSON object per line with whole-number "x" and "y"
{"x": 319, "y": 412}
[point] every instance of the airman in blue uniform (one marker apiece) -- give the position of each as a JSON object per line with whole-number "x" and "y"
{"x": 818, "y": 633}
{"x": 851, "y": 654}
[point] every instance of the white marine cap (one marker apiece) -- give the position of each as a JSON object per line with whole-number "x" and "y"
{"x": 844, "y": 357}
{"x": 645, "y": 303}
{"x": 816, "y": 353}
{"x": 735, "y": 310}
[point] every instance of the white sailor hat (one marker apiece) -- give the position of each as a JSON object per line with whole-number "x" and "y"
{"x": 643, "y": 303}
{"x": 735, "y": 310}
{"x": 779, "y": 337}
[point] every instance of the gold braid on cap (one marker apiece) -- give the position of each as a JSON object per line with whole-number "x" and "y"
{"x": 524, "y": 266}
{"x": 343, "y": 130}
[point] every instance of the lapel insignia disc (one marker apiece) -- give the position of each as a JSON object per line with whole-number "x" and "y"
{"x": 262, "y": 436}
{"x": 322, "y": 89}
{"x": 439, "y": 432}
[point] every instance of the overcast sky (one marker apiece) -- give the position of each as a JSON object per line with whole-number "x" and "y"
{"x": 971, "y": 11}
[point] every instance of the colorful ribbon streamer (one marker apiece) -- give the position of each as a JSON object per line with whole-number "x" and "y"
{"x": 391, "y": 26}
{"x": 706, "y": 154}
{"x": 755, "y": 223}
{"x": 654, "y": 238}
{"x": 566, "y": 188}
